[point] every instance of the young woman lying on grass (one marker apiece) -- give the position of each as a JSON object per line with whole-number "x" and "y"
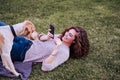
{"x": 73, "y": 42}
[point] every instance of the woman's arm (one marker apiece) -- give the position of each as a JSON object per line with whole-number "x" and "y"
{"x": 44, "y": 37}
{"x": 50, "y": 59}
{"x": 36, "y": 35}
{"x": 59, "y": 55}
{"x": 55, "y": 51}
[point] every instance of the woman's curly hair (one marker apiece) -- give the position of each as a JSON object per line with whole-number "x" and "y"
{"x": 80, "y": 46}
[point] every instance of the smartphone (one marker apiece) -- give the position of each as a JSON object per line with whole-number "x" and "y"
{"x": 52, "y": 30}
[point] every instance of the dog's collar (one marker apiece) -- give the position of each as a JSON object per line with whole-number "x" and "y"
{"x": 13, "y": 31}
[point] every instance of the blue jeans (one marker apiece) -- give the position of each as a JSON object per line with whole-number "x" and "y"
{"x": 2, "y": 23}
{"x": 20, "y": 47}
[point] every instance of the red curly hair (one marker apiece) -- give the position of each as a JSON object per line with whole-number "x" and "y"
{"x": 80, "y": 47}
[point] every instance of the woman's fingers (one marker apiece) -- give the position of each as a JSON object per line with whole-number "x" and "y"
{"x": 58, "y": 41}
{"x": 49, "y": 34}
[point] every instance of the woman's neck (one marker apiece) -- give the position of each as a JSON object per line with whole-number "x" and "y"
{"x": 67, "y": 44}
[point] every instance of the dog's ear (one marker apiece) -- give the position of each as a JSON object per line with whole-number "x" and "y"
{"x": 28, "y": 28}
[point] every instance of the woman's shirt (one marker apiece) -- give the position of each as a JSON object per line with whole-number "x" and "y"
{"x": 40, "y": 50}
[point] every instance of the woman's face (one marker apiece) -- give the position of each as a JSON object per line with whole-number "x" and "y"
{"x": 69, "y": 36}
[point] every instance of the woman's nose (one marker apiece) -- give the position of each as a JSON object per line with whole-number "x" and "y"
{"x": 66, "y": 35}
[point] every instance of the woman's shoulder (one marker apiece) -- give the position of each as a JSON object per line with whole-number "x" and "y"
{"x": 64, "y": 50}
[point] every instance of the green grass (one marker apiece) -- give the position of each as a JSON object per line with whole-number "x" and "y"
{"x": 100, "y": 18}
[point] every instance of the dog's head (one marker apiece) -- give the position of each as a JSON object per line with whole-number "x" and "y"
{"x": 28, "y": 28}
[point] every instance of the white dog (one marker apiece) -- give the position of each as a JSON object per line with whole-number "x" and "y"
{"x": 6, "y": 42}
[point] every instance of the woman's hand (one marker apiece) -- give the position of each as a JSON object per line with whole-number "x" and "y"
{"x": 44, "y": 37}
{"x": 50, "y": 35}
{"x": 58, "y": 41}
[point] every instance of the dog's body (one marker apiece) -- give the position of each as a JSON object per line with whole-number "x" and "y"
{"x": 6, "y": 42}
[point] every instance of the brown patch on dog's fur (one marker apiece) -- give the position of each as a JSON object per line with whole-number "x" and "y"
{"x": 1, "y": 42}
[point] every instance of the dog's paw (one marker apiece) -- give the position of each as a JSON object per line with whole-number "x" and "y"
{"x": 16, "y": 74}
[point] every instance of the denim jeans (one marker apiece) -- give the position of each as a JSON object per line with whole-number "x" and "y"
{"x": 2, "y": 23}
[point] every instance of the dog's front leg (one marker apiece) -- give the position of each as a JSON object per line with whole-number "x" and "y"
{"x": 7, "y": 62}
{"x": 6, "y": 59}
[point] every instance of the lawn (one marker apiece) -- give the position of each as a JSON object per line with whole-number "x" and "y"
{"x": 101, "y": 20}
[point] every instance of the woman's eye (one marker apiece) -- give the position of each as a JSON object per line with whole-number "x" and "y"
{"x": 70, "y": 35}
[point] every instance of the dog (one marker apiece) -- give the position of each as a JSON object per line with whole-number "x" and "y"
{"x": 6, "y": 41}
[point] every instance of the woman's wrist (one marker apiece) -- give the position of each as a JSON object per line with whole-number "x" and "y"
{"x": 53, "y": 55}
{"x": 58, "y": 45}
{"x": 43, "y": 37}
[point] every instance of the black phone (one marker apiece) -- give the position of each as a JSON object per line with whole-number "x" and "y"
{"x": 52, "y": 30}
